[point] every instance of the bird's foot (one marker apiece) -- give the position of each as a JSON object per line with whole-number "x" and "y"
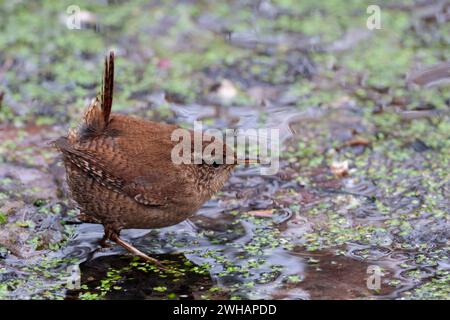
{"x": 104, "y": 244}
{"x": 161, "y": 265}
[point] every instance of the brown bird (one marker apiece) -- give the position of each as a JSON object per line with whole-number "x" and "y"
{"x": 120, "y": 173}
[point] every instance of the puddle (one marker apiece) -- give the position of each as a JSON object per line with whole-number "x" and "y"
{"x": 363, "y": 179}
{"x": 128, "y": 279}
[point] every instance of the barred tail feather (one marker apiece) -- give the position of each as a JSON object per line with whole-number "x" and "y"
{"x": 108, "y": 87}
{"x": 96, "y": 117}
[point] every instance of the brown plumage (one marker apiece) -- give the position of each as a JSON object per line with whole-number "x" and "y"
{"x": 120, "y": 172}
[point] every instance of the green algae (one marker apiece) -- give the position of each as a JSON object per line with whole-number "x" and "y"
{"x": 54, "y": 74}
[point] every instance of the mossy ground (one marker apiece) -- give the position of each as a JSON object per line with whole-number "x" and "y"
{"x": 392, "y": 202}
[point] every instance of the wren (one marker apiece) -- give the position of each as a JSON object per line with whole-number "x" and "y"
{"x": 120, "y": 173}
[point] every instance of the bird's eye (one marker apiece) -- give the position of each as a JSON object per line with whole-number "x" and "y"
{"x": 215, "y": 164}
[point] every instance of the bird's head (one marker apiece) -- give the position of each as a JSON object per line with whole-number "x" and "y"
{"x": 212, "y": 167}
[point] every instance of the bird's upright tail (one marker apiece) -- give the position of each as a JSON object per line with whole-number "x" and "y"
{"x": 96, "y": 118}
{"x": 108, "y": 87}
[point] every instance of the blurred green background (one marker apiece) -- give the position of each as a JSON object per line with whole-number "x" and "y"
{"x": 365, "y": 172}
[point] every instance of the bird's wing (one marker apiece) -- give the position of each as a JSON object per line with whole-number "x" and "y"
{"x": 90, "y": 164}
{"x": 150, "y": 190}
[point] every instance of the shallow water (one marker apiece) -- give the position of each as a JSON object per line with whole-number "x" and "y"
{"x": 363, "y": 180}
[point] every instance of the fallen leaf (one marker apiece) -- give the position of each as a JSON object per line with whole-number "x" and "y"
{"x": 357, "y": 141}
{"x": 225, "y": 90}
{"x": 340, "y": 169}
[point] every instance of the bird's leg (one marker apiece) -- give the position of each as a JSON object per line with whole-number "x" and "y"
{"x": 104, "y": 241}
{"x": 83, "y": 217}
{"x": 107, "y": 236}
{"x": 113, "y": 236}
